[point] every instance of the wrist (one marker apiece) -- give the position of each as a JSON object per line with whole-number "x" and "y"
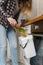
{"x": 15, "y": 25}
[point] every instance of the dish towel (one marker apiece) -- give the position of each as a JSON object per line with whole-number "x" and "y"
{"x": 28, "y": 46}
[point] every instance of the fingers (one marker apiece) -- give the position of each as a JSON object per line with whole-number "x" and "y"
{"x": 12, "y": 21}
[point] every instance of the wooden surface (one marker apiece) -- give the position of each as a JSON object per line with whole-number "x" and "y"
{"x": 33, "y": 21}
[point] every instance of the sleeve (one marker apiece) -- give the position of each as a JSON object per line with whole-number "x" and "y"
{"x": 3, "y": 13}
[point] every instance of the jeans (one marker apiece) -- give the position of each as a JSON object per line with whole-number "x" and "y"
{"x": 38, "y": 59}
{"x": 3, "y": 45}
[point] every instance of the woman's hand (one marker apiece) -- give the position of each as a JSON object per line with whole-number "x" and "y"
{"x": 17, "y": 25}
{"x": 13, "y": 22}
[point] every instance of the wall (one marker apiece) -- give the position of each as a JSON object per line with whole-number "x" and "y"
{"x": 34, "y": 9}
{"x": 37, "y": 8}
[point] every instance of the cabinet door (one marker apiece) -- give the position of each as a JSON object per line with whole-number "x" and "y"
{"x": 37, "y": 27}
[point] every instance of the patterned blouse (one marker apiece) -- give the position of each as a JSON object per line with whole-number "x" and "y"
{"x": 8, "y": 8}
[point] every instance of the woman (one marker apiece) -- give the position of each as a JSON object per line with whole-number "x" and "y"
{"x": 8, "y": 10}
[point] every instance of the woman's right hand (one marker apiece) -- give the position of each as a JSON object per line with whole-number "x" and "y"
{"x": 12, "y": 22}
